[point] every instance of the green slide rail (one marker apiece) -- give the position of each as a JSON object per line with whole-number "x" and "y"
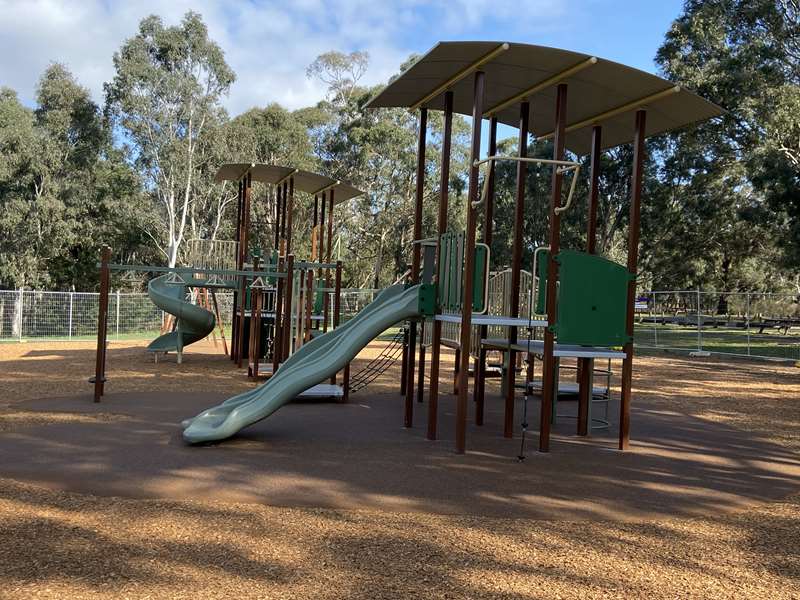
{"x": 193, "y": 322}
{"x": 313, "y": 363}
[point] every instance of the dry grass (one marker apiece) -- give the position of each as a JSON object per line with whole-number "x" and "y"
{"x": 61, "y": 545}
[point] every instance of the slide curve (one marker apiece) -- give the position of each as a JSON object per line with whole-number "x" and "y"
{"x": 194, "y": 322}
{"x": 313, "y": 363}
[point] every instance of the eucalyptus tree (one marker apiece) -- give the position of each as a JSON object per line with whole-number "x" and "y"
{"x": 165, "y": 101}
{"x": 735, "y": 176}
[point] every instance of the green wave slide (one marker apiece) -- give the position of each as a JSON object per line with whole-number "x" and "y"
{"x": 314, "y": 362}
{"x": 194, "y": 322}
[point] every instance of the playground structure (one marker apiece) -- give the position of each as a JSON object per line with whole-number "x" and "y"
{"x": 279, "y": 303}
{"x": 584, "y": 303}
{"x": 579, "y": 305}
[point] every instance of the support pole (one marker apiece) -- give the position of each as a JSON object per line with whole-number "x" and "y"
{"x": 516, "y": 265}
{"x": 236, "y": 295}
{"x": 243, "y": 243}
{"x": 276, "y": 193}
{"x": 549, "y": 394}
{"x": 322, "y": 249}
{"x": 586, "y": 365}
{"x": 279, "y": 321}
{"x": 102, "y": 324}
{"x": 337, "y": 303}
{"x": 633, "y": 263}
{"x": 284, "y": 212}
{"x": 488, "y": 233}
{"x": 436, "y": 337}
{"x": 287, "y": 310}
{"x": 469, "y": 264}
{"x": 290, "y": 216}
{"x": 408, "y": 417}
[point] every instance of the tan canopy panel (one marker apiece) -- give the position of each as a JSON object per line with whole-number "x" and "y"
{"x": 600, "y": 91}
{"x": 304, "y": 181}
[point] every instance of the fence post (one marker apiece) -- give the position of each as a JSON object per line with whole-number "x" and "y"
{"x": 747, "y": 321}
{"x": 655, "y": 320}
{"x": 699, "y": 325}
{"x": 118, "y": 298}
{"x": 19, "y": 314}
{"x": 69, "y": 326}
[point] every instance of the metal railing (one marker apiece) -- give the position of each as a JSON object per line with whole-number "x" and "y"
{"x": 759, "y": 325}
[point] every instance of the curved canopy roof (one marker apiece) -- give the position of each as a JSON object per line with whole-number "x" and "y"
{"x": 304, "y": 181}
{"x": 600, "y": 91}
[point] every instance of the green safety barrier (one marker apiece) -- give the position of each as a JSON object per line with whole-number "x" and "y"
{"x": 451, "y": 269}
{"x": 592, "y": 299}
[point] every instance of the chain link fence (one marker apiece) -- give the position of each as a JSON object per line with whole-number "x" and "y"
{"x": 740, "y": 324}
{"x": 65, "y": 316}
{"x": 729, "y": 323}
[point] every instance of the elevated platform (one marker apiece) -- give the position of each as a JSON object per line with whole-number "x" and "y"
{"x": 499, "y": 320}
{"x": 560, "y": 350}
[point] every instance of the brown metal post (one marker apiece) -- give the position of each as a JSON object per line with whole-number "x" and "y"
{"x": 516, "y": 265}
{"x": 488, "y": 231}
{"x": 549, "y": 394}
{"x": 252, "y": 357}
{"x": 326, "y": 257}
{"x": 403, "y": 360}
{"x": 290, "y": 216}
{"x": 238, "y": 236}
{"x": 421, "y": 375}
{"x": 408, "y": 418}
{"x": 436, "y": 337}
{"x": 322, "y": 231}
{"x": 469, "y": 264}
{"x": 278, "y": 321}
{"x": 287, "y": 311}
{"x": 633, "y": 265}
{"x": 337, "y": 303}
{"x": 276, "y": 192}
{"x": 284, "y": 203}
{"x": 586, "y": 365}
{"x": 102, "y": 324}
{"x": 594, "y": 189}
{"x": 309, "y": 304}
{"x": 243, "y": 243}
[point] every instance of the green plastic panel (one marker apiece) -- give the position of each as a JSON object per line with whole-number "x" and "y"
{"x": 479, "y": 286}
{"x": 427, "y": 299}
{"x": 450, "y": 288}
{"x": 592, "y": 298}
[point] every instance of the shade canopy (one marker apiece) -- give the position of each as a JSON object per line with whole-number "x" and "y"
{"x": 304, "y": 181}
{"x": 600, "y": 91}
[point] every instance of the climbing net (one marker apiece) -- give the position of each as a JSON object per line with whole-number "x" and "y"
{"x": 378, "y": 365}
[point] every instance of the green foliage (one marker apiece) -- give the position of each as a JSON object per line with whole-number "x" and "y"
{"x": 733, "y": 178}
{"x": 721, "y": 201}
{"x": 165, "y": 100}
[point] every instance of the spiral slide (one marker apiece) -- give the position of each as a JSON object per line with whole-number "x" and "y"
{"x": 311, "y": 364}
{"x": 194, "y": 322}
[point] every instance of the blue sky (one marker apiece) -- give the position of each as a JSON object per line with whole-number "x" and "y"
{"x": 269, "y": 44}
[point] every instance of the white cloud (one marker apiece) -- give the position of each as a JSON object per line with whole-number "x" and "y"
{"x": 268, "y": 44}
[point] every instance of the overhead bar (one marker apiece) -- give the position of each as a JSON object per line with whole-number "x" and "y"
{"x": 557, "y": 78}
{"x": 156, "y": 269}
{"x": 460, "y": 75}
{"x": 619, "y": 110}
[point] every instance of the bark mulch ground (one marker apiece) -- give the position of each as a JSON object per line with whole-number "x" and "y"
{"x": 64, "y": 545}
